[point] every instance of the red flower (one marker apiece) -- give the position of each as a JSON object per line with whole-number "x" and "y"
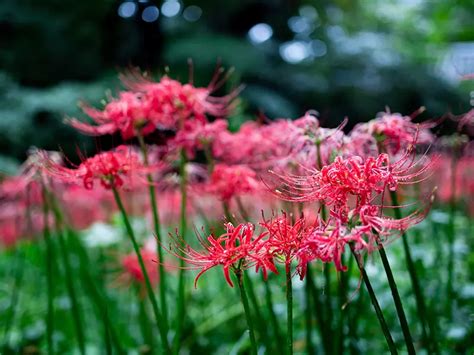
{"x": 196, "y": 135}
{"x": 127, "y": 114}
{"x": 349, "y": 177}
{"x": 238, "y": 248}
{"x": 109, "y": 168}
{"x": 394, "y": 131}
{"x": 132, "y": 271}
{"x": 229, "y": 181}
{"x": 172, "y": 103}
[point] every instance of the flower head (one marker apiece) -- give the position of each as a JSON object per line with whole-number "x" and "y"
{"x": 227, "y": 181}
{"x": 394, "y": 131}
{"x": 132, "y": 272}
{"x": 173, "y": 103}
{"x": 127, "y": 114}
{"x": 110, "y": 168}
{"x": 239, "y": 248}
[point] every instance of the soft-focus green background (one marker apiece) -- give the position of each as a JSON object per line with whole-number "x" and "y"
{"x": 342, "y": 58}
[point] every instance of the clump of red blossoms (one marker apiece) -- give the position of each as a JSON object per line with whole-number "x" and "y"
{"x": 227, "y": 181}
{"x": 239, "y": 248}
{"x": 110, "y": 168}
{"x": 353, "y": 188}
{"x": 166, "y": 104}
{"x": 285, "y": 240}
{"x": 392, "y": 131}
{"x": 132, "y": 272}
{"x": 126, "y": 114}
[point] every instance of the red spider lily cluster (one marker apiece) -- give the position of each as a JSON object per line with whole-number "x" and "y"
{"x": 343, "y": 180}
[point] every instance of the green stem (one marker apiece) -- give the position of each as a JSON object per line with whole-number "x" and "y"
{"x": 248, "y": 315}
{"x": 415, "y": 281}
{"x": 273, "y": 318}
{"x": 318, "y": 310}
{"x": 149, "y": 288}
{"x": 49, "y": 274}
{"x": 242, "y": 210}
{"x": 97, "y": 295}
{"x": 289, "y": 310}
{"x": 397, "y": 300}
{"x": 308, "y": 317}
{"x": 75, "y": 307}
{"x": 227, "y": 214}
{"x": 451, "y": 229}
{"x": 107, "y": 338}
{"x": 375, "y": 304}
{"x": 260, "y": 320}
{"x": 157, "y": 228}
{"x": 183, "y": 227}
{"x": 209, "y": 158}
{"x": 339, "y": 344}
{"x": 18, "y": 270}
{"x": 354, "y": 318}
{"x": 147, "y": 335}
{"x": 71, "y": 290}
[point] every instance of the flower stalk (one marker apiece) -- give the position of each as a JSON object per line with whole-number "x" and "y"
{"x": 248, "y": 316}
{"x": 49, "y": 274}
{"x": 397, "y": 300}
{"x": 183, "y": 227}
{"x": 429, "y": 341}
{"x": 149, "y": 288}
{"x": 157, "y": 228}
{"x": 375, "y": 304}
{"x": 289, "y": 309}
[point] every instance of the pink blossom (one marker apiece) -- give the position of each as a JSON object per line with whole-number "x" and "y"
{"x": 227, "y": 181}
{"x": 238, "y": 248}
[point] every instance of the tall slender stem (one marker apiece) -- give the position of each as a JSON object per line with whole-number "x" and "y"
{"x": 415, "y": 281}
{"x": 151, "y": 296}
{"x": 260, "y": 320}
{"x": 324, "y": 331}
{"x": 451, "y": 228}
{"x": 71, "y": 290}
{"x": 97, "y": 294}
{"x": 344, "y": 276}
{"x": 18, "y": 271}
{"x": 248, "y": 315}
{"x": 397, "y": 300}
{"x": 147, "y": 334}
{"x": 157, "y": 228}
{"x": 375, "y": 304}
{"x": 49, "y": 274}
{"x": 273, "y": 319}
{"x": 75, "y": 307}
{"x": 327, "y": 294}
{"x": 308, "y": 315}
{"x": 183, "y": 227}
{"x": 289, "y": 309}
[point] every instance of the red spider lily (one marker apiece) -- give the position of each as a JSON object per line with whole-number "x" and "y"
{"x": 127, "y": 114}
{"x": 109, "y": 168}
{"x": 166, "y": 104}
{"x": 229, "y": 181}
{"x": 384, "y": 226}
{"x": 238, "y": 248}
{"x": 172, "y": 103}
{"x": 280, "y": 145}
{"x": 197, "y": 135}
{"x": 132, "y": 272}
{"x": 285, "y": 239}
{"x": 327, "y": 242}
{"x": 365, "y": 179}
{"x": 394, "y": 131}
